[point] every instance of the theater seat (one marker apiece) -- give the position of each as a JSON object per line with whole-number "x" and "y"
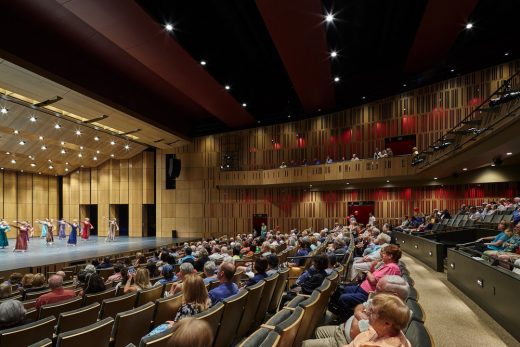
{"x": 99, "y": 297}
{"x": 147, "y": 295}
{"x": 286, "y": 323}
{"x": 31, "y": 314}
{"x": 231, "y": 315}
{"x": 157, "y": 340}
{"x": 413, "y": 294}
{"x": 35, "y": 295}
{"x": 97, "y": 334}
{"x": 27, "y": 334}
{"x": 75, "y": 319}
{"x": 261, "y": 338}
{"x": 418, "y": 335}
{"x": 417, "y": 311}
{"x": 311, "y": 307}
{"x": 279, "y": 289}
{"x": 166, "y": 308}
{"x": 267, "y": 293}
{"x": 59, "y": 307}
{"x": 212, "y": 316}
{"x": 106, "y": 273}
{"x": 130, "y": 326}
{"x": 111, "y": 307}
{"x": 252, "y": 300}
{"x": 42, "y": 343}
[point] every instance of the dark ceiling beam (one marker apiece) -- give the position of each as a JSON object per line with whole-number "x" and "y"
{"x": 442, "y": 22}
{"x": 134, "y": 31}
{"x": 298, "y": 32}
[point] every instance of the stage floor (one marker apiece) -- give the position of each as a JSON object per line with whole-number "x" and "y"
{"x": 38, "y": 254}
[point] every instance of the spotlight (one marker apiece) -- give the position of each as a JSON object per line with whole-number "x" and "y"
{"x": 203, "y": 62}
{"x": 3, "y": 110}
{"x": 33, "y": 164}
{"x": 469, "y": 26}
{"x": 43, "y": 147}
{"x": 168, "y": 27}
{"x": 228, "y": 87}
{"x": 112, "y": 142}
{"x": 81, "y": 147}
{"x": 57, "y": 126}
{"x": 244, "y": 105}
{"x": 32, "y": 119}
{"x": 22, "y": 142}
{"x": 127, "y": 147}
{"x": 63, "y": 151}
{"x": 111, "y": 155}
{"x": 13, "y": 161}
{"x": 329, "y": 18}
{"x": 336, "y": 79}
{"x": 78, "y": 132}
{"x": 80, "y": 155}
{"x": 465, "y": 169}
{"x": 16, "y": 132}
{"x": 506, "y": 54}
{"x": 509, "y": 153}
{"x": 333, "y": 54}
{"x": 96, "y": 138}
{"x": 66, "y": 169}
{"x": 62, "y": 143}
{"x": 51, "y": 167}
{"x": 95, "y": 158}
{"x": 40, "y": 138}
{"x": 98, "y": 151}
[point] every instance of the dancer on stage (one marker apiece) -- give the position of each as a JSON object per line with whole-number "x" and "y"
{"x": 73, "y": 240}
{"x": 49, "y": 240}
{"x": 112, "y": 228}
{"x": 4, "y": 228}
{"x": 61, "y": 229}
{"x": 87, "y": 226}
{"x": 21, "y": 236}
{"x": 44, "y": 227}
{"x": 30, "y": 230}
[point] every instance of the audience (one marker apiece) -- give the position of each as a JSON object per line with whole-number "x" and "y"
{"x": 57, "y": 293}
{"x": 260, "y": 269}
{"x": 116, "y": 277}
{"x": 210, "y": 271}
{"x": 191, "y": 332}
{"x": 137, "y": 281}
{"x": 12, "y": 314}
{"x": 226, "y": 288}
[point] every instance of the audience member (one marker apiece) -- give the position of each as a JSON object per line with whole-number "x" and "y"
{"x": 5, "y": 290}
{"x": 116, "y": 277}
{"x": 12, "y": 314}
{"x": 57, "y": 293}
{"x": 191, "y": 332}
{"x": 226, "y": 288}
{"x": 137, "y": 281}
{"x": 210, "y": 271}
{"x": 260, "y": 269}
{"x": 105, "y": 264}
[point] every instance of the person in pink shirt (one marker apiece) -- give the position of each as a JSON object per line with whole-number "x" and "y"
{"x": 351, "y": 296}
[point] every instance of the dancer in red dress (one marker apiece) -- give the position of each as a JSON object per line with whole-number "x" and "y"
{"x": 87, "y": 226}
{"x": 21, "y": 236}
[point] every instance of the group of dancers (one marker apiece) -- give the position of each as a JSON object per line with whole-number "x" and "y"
{"x": 25, "y": 232}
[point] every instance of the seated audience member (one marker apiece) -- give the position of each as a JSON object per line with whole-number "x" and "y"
{"x": 124, "y": 278}
{"x": 105, "y": 264}
{"x": 94, "y": 263}
{"x": 333, "y": 261}
{"x": 511, "y": 248}
{"x": 329, "y": 160}
{"x": 15, "y": 279}
{"x": 348, "y": 297}
{"x": 168, "y": 275}
{"x": 37, "y": 283}
{"x": 260, "y": 269}
{"x": 389, "y": 152}
{"x": 116, "y": 277}
{"x": 12, "y": 314}
{"x": 139, "y": 259}
{"x": 210, "y": 271}
{"x": 203, "y": 258}
{"x": 517, "y": 267}
{"x": 5, "y": 290}
{"x": 57, "y": 293}
{"x": 304, "y": 250}
{"x": 152, "y": 269}
{"x": 93, "y": 284}
{"x": 497, "y": 244}
{"x": 354, "y": 157}
{"x": 272, "y": 264}
{"x": 362, "y": 264}
{"x": 137, "y": 281}
{"x": 226, "y": 288}
{"x": 191, "y": 332}
{"x": 344, "y": 333}
{"x": 184, "y": 270}
{"x": 283, "y": 165}
{"x": 188, "y": 258}
{"x": 236, "y": 253}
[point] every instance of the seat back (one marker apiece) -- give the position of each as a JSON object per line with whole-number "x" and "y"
{"x": 157, "y": 340}
{"x": 111, "y": 307}
{"x": 59, "y": 307}
{"x": 325, "y": 290}
{"x": 99, "y": 297}
{"x": 42, "y": 343}
{"x": 166, "y": 308}
{"x": 259, "y": 338}
{"x": 76, "y": 319}
{"x": 267, "y": 293}
{"x": 147, "y": 295}
{"x": 278, "y": 290}
{"x": 233, "y": 309}
{"x": 253, "y": 298}
{"x": 97, "y": 334}
{"x": 130, "y": 326}
{"x": 28, "y": 334}
{"x": 289, "y": 328}
{"x": 35, "y": 295}
{"x": 237, "y": 276}
{"x": 310, "y": 306}
{"x": 294, "y": 273}
{"x": 417, "y": 311}
{"x": 106, "y": 273}
{"x": 418, "y": 335}
{"x": 212, "y": 316}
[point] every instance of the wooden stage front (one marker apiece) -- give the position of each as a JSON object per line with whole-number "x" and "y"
{"x": 42, "y": 258}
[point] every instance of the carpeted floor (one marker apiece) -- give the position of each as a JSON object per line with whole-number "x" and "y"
{"x": 451, "y": 317}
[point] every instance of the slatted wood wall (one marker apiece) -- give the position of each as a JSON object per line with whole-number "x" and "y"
{"x": 198, "y": 208}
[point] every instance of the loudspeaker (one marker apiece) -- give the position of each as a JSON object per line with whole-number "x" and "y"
{"x": 173, "y": 170}
{"x": 174, "y": 234}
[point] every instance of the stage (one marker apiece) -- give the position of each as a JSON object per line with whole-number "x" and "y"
{"x": 38, "y": 254}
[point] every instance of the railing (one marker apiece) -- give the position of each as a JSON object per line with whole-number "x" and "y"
{"x": 494, "y": 112}
{"x": 336, "y": 172}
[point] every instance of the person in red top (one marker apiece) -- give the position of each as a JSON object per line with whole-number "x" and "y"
{"x": 354, "y": 295}
{"x": 87, "y": 226}
{"x": 57, "y": 293}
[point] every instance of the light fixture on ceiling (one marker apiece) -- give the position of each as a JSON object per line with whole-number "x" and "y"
{"x": 33, "y": 164}
{"x": 33, "y": 119}
{"x": 112, "y": 142}
{"x": 387, "y": 181}
{"x": 244, "y": 104}
{"x": 227, "y": 87}
{"x": 81, "y": 147}
{"x": 435, "y": 178}
{"x": 3, "y": 110}
{"x": 40, "y": 138}
{"x": 16, "y": 132}
{"x": 363, "y": 97}
{"x": 78, "y": 132}
{"x": 63, "y": 151}
{"x": 80, "y": 155}
{"x": 336, "y": 79}
{"x": 51, "y": 167}
{"x": 95, "y": 158}
{"x": 66, "y": 169}
{"x": 13, "y": 161}
{"x": 7, "y": 153}
{"x": 57, "y": 126}
{"x": 111, "y": 155}
{"x": 49, "y": 160}
{"x": 469, "y": 26}
{"x": 329, "y": 18}
{"x": 333, "y": 54}
{"x": 127, "y": 146}
{"x": 62, "y": 143}
{"x": 452, "y": 70}
{"x": 66, "y": 163}
{"x": 203, "y": 62}
{"x": 98, "y": 151}
{"x": 289, "y": 116}
{"x": 465, "y": 169}
{"x": 43, "y": 147}
{"x": 168, "y": 27}
{"x": 404, "y": 84}
{"x": 21, "y": 143}
{"x": 506, "y": 54}
{"x": 509, "y": 153}
{"x": 96, "y": 138}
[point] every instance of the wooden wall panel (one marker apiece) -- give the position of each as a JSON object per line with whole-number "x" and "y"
{"x": 10, "y": 208}
{"x": 84, "y": 186}
{"x": 24, "y": 199}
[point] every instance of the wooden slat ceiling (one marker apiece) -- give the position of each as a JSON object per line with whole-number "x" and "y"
{"x": 19, "y": 86}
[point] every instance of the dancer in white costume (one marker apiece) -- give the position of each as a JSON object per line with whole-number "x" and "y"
{"x": 112, "y": 228}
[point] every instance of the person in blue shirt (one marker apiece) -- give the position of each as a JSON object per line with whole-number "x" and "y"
{"x": 226, "y": 287}
{"x": 498, "y": 241}
{"x": 261, "y": 265}
{"x": 304, "y": 250}
{"x": 168, "y": 275}
{"x": 210, "y": 271}
{"x": 188, "y": 258}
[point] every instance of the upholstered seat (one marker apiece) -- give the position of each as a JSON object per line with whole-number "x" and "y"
{"x": 212, "y": 316}
{"x": 261, "y": 338}
{"x": 146, "y": 295}
{"x": 166, "y": 308}
{"x": 99, "y": 297}
{"x": 267, "y": 293}
{"x": 35, "y": 295}
{"x": 311, "y": 307}
{"x": 111, "y": 307}
{"x": 418, "y": 335}
{"x": 287, "y": 328}
{"x": 231, "y": 315}
{"x": 59, "y": 307}
{"x": 130, "y": 326}
{"x": 157, "y": 340}
{"x": 28, "y": 334}
{"x": 75, "y": 319}
{"x": 252, "y": 300}
{"x": 279, "y": 289}
{"x": 97, "y": 334}
{"x": 42, "y": 343}
{"x": 417, "y": 311}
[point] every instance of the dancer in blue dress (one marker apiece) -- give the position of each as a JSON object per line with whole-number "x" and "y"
{"x": 44, "y": 224}
{"x": 73, "y": 240}
{"x": 4, "y": 228}
{"x": 61, "y": 230}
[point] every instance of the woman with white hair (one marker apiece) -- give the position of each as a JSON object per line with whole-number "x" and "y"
{"x": 12, "y": 314}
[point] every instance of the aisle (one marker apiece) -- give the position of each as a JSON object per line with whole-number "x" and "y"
{"x": 452, "y": 318}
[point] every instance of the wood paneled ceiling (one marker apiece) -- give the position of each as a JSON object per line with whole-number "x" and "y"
{"x": 274, "y": 55}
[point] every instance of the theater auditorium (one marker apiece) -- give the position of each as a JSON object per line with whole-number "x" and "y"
{"x": 259, "y": 173}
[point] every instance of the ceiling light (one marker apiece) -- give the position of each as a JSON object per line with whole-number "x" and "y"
{"x": 244, "y": 104}
{"x": 452, "y": 70}
{"x": 40, "y": 138}
{"x": 7, "y": 153}
{"x": 127, "y": 147}
{"x": 31, "y": 157}
{"x": 493, "y": 165}
{"x": 112, "y": 155}
{"x": 228, "y": 87}
{"x": 13, "y": 161}
{"x": 80, "y": 155}
{"x": 333, "y": 54}
{"x": 465, "y": 169}
{"x": 363, "y": 97}
{"x": 404, "y": 84}
{"x": 112, "y": 142}
{"x": 66, "y": 163}
{"x": 57, "y": 126}
{"x": 4, "y": 110}
{"x": 32, "y": 119}
{"x": 63, "y": 151}
{"x": 97, "y": 151}
{"x": 329, "y": 18}
{"x": 39, "y": 173}
{"x": 336, "y": 79}
{"x": 33, "y": 164}
{"x": 96, "y": 138}
{"x": 95, "y": 158}
{"x": 78, "y": 132}
{"x": 43, "y": 147}
{"x": 509, "y": 153}
{"x": 81, "y": 147}
{"x": 16, "y": 132}
{"x": 506, "y": 54}
{"x": 49, "y": 160}
{"x": 203, "y": 62}
{"x": 469, "y": 25}
{"x": 348, "y": 182}
{"x": 62, "y": 143}
{"x": 387, "y": 181}
{"x": 435, "y": 178}
{"x": 66, "y": 169}
{"x": 22, "y": 142}
{"x": 289, "y": 116}
{"x": 168, "y": 27}
{"x": 51, "y": 167}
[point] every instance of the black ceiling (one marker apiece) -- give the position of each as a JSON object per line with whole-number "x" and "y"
{"x": 381, "y": 46}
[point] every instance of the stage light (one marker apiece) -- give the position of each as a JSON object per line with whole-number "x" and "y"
{"x": 32, "y": 119}
{"x": 336, "y": 79}
{"x": 43, "y": 147}
{"x": 7, "y": 153}
{"x": 57, "y": 126}
{"x": 363, "y": 98}
{"x": 227, "y": 87}
{"x": 404, "y": 84}
{"x": 469, "y": 26}
{"x": 333, "y": 54}
{"x": 3, "y": 110}
{"x": 244, "y": 104}
{"x": 168, "y": 27}
{"x": 329, "y": 18}
{"x": 96, "y": 138}
{"x": 66, "y": 163}
{"x": 112, "y": 142}
{"x": 203, "y": 62}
